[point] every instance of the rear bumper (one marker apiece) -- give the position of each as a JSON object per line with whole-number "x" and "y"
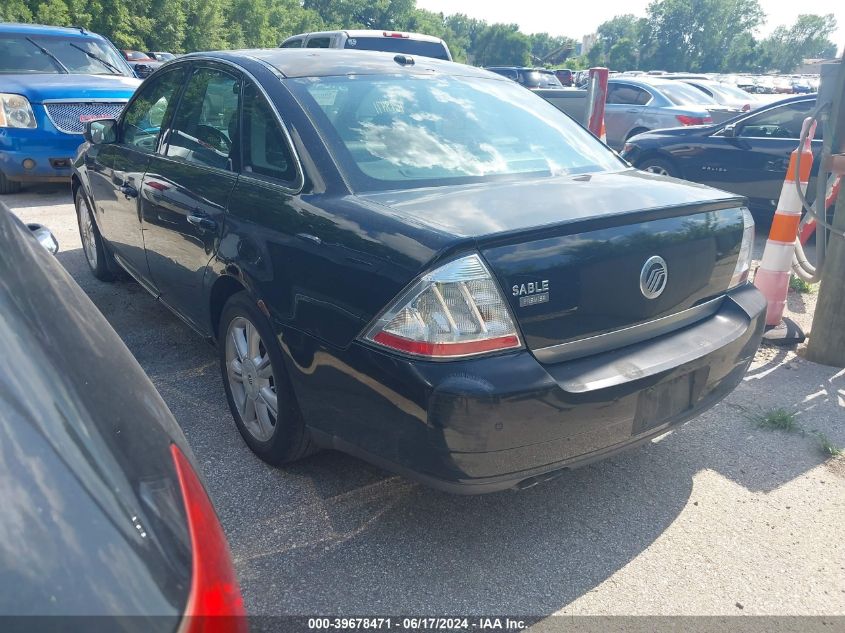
{"x": 52, "y": 152}
{"x": 509, "y": 421}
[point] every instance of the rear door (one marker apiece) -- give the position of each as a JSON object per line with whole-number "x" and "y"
{"x": 119, "y": 168}
{"x": 187, "y": 186}
{"x": 624, "y": 111}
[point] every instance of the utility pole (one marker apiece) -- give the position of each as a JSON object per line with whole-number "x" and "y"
{"x": 827, "y": 337}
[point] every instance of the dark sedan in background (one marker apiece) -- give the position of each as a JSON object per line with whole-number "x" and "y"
{"x": 103, "y": 513}
{"x": 418, "y": 262}
{"x": 747, "y": 155}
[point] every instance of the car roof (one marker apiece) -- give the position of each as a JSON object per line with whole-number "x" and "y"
{"x": 327, "y": 62}
{"x": 369, "y": 33}
{"x": 42, "y": 29}
{"x": 645, "y": 80}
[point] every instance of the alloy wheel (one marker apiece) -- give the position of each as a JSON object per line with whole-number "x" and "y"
{"x": 251, "y": 379}
{"x": 657, "y": 169}
{"x": 86, "y": 232}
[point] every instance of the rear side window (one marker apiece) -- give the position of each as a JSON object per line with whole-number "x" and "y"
{"x": 626, "y": 94}
{"x": 399, "y": 45}
{"x": 205, "y": 126}
{"x": 292, "y": 44}
{"x": 266, "y": 150}
{"x": 319, "y": 42}
{"x": 151, "y": 110}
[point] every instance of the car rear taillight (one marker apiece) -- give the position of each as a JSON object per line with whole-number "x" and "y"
{"x": 685, "y": 119}
{"x": 454, "y": 311}
{"x": 215, "y": 604}
{"x": 389, "y": 34}
{"x": 743, "y": 261}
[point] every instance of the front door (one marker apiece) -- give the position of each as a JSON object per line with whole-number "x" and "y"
{"x": 187, "y": 186}
{"x": 121, "y": 168}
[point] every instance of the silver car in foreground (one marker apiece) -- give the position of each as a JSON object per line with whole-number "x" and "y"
{"x": 640, "y": 104}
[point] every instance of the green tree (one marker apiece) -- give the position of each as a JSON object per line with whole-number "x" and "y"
{"x": 206, "y": 30}
{"x": 695, "y": 34}
{"x": 55, "y": 12}
{"x": 622, "y": 55}
{"x": 502, "y": 45}
{"x": 785, "y": 48}
{"x": 169, "y": 22}
{"x": 550, "y": 49}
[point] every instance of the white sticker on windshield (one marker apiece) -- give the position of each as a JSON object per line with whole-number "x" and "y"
{"x": 324, "y": 96}
{"x": 389, "y": 107}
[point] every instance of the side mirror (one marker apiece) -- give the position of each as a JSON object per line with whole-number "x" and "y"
{"x": 729, "y": 131}
{"x": 45, "y": 237}
{"x": 143, "y": 70}
{"x": 100, "y": 131}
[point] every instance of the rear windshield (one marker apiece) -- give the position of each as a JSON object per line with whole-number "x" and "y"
{"x": 399, "y": 45}
{"x": 684, "y": 94}
{"x": 392, "y": 132}
{"x": 40, "y": 54}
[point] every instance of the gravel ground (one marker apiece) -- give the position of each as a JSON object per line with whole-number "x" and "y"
{"x": 718, "y": 517}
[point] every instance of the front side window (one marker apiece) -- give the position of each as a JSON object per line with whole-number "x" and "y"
{"x": 394, "y": 131}
{"x": 151, "y": 110}
{"x": 205, "y": 126}
{"x": 782, "y": 122}
{"x": 39, "y": 54}
{"x": 265, "y": 148}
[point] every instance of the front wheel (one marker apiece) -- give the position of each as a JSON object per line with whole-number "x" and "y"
{"x": 659, "y": 166}
{"x": 257, "y": 386}
{"x": 93, "y": 246}
{"x": 8, "y": 186}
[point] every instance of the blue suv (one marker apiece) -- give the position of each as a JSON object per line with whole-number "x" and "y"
{"x": 53, "y": 80}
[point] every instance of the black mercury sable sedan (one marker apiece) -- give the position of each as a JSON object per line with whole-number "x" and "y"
{"x": 418, "y": 262}
{"x": 102, "y": 514}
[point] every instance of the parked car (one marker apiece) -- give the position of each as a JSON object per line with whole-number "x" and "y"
{"x": 565, "y": 77}
{"x": 636, "y": 105}
{"x": 142, "y": 64}
{"x": 736, "y": 99}
{"x": 160, "y": 56}
{"x": 104, "y": 512}
{"x": 747, "y": 155}
{"x": 421, "y": 264}
{"x": 362, "y": 40}
{"x": 52, "y": 80}
{"x": 532, "y": 78}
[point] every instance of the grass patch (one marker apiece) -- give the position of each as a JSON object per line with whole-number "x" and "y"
{"x": 776, "y": 420}
{"x": 828, "y": 448}
{"x": 799, "y": 285}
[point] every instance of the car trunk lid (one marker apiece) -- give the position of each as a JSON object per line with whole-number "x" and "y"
{"x": 569, "y": 252}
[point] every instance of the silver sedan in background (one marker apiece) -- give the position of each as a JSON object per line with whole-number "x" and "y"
{"x": 640, "y": 104}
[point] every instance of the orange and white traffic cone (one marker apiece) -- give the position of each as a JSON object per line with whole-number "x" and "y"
{"x": 772, "y": 278}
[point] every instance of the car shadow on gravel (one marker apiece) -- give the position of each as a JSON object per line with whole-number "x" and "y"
{"x": 334, "y": 535}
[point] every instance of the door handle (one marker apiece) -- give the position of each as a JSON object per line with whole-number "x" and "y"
{"x": 128, "y": 191}
{"x": 202, "y": 222}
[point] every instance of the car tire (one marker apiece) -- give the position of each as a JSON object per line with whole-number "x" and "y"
{"x": 93, "y": 247}
{"x": 255, "y": 378}
{"x": 659, "y": 166}
{"x": 8, "y": 186}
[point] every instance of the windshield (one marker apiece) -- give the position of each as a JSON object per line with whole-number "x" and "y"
{"x": 135, "y": 55}
{"x": 399, "y": 45}
{"x": 684, "y": 94}
{"x": 54, "y": 55}
{"x": 405, "y": 131}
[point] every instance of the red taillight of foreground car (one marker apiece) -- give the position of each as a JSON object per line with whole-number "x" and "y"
{"x": 454, "y": 311}
{"x": 684, "y": 119}
{"x": 215, "y": 604}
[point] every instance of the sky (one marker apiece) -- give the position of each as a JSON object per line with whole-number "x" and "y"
{"x": 562, "y": 18}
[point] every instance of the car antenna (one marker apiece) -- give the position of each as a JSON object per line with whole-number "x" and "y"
{"x": 81, "y": 29}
